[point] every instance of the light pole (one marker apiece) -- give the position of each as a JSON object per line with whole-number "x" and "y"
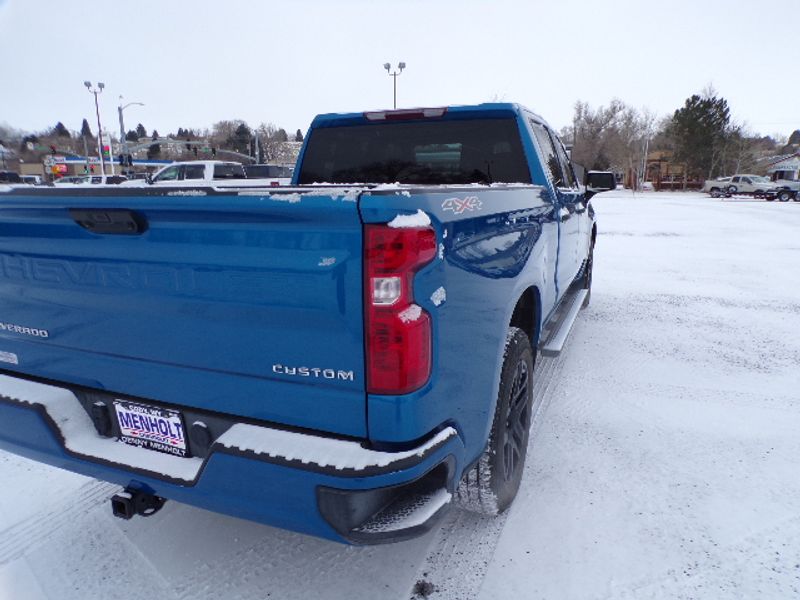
{"x": 394, "y": 76}
{"x": 95, "y": 91}
{"x": 123, "y": 138}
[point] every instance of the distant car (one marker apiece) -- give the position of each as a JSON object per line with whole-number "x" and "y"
{"x": 31, "y": 179}
{"x": 207, "y": 172}
{"x": 789, "y": 184}
{"x": 194, "y": 172}
{"x": 9, "y": 177}
{"x": 756, "y": 185}
{"x": 783, "y": 194}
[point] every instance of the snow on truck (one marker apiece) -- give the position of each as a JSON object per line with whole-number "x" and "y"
{"x": 343, "y": 359}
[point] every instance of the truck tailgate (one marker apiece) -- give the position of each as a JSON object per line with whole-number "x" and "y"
{"x": 248, "y": 303}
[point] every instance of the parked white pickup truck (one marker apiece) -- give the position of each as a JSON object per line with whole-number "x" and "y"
{"x": 211, "y": 172}
{"x": 739, "y": 184}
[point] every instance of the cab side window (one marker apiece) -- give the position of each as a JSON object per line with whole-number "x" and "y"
{"x": 570, "y": 180}
{"x": 168, "y": 174}
{"x": 551, "y": 163}
{"x": 194, "y": 171}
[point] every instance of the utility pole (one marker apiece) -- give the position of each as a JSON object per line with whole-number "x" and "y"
{"x": 394, "y": 76}
{"x": 96, "y": 91}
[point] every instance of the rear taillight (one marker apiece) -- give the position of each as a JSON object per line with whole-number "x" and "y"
{"x": 398, "y": 332}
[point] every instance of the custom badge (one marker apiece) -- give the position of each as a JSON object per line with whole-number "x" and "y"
{"x": 459, "y": 205}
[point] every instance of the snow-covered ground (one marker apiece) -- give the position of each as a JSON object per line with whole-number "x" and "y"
{"x": 664, "y": 460}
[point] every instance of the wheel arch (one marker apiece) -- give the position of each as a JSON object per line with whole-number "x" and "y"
{"x": 527, "y": 314}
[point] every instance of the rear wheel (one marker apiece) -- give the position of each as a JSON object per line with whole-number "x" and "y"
{"x": 784, "y": 195}
{"x": 491, "y": 485}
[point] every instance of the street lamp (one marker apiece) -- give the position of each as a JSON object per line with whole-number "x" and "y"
{"x": 123, "y": 138}
{"x": 95, "y": 91}
{"x": 394, "y": 75}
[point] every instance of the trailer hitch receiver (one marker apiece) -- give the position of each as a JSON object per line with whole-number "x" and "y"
{"x": 130, "y": 502}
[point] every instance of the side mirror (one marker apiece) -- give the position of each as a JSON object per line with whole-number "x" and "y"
{"x": 149, "y": 178}
{"x": 599, "y": 181}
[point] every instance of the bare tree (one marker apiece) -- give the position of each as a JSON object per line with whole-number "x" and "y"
{"x": 275, "y": 145}
{"x": 613, "y": 137}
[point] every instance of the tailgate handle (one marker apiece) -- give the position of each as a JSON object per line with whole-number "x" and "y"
{"x": 109, "y": 220}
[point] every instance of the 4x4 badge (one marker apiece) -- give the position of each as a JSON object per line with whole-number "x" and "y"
{"x": 458, "y": 206}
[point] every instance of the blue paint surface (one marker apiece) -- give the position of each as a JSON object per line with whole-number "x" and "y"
{"x": 244, "y": 304}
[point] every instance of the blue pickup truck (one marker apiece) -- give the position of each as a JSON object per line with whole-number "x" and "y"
{"x": 345, "y": 357}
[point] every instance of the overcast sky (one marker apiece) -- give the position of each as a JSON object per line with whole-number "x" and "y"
{"x": 196, "y": 62}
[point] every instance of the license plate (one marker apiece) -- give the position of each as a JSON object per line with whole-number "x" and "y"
{"x": 159, "y": 429}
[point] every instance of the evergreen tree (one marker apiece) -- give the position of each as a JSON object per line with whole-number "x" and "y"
{"x": 281, "y": 135}
{"x": 141, "y": 131}
{"x": 86, "y": 131}
{"x": 154, "y": 151}
{"x": 132, "y": 136}
{"x": 699, "y": 131}
{"x": 60, "y": 131}
{"x": 241, "y": 139}
{"x": 298, "y": 137}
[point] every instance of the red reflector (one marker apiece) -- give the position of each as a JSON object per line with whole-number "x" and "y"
{"x": 398, "y": 334}
{"x": 399, "y": 359}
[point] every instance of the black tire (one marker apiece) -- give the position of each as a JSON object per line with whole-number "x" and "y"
{"x": 715, "y": 192}
{"x": 784, "y": 195}
{"x": 758, "y": 194}
{"x": 732, "y": 189}
{"x": 491, "y": 485}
